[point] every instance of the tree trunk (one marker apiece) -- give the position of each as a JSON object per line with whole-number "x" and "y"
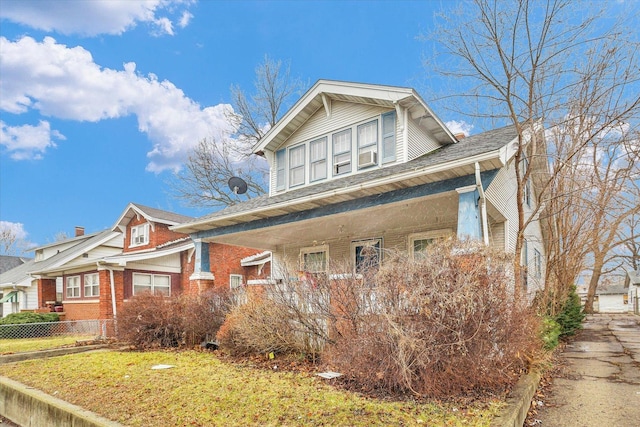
{"x": 593, "y": 283}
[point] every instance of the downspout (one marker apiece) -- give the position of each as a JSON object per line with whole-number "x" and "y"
{"x": 483, "y": 206}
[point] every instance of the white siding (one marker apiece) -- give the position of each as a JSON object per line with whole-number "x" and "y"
{"x": 343, "y": 114}
{"x": 612, "y": 304}
{"x": 496, "y": 235}
{"x": 420, "y": 141}
{"x": 167, "y": 264}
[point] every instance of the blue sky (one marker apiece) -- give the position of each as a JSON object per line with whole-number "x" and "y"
{"x": 101, "y": 100}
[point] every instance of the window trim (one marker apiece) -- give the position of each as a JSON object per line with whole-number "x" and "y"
{"x": 152, "y": 285}
{"x": 96, "y": 284}
{"x": 313, "y": 162}
{"x": 362, "y": 242}
{"x": 424, "y": 235}
{"x": 302, "y": 166}
{"x": 371, "y": 147}
{"x": 78, "y": 286}
{"x": 388, "y": 157}
{"x": 145, "y": 227}
{"x": 334, "y": 153}
{"x": 235, "y": 276}
{"x": 313, "y": 250}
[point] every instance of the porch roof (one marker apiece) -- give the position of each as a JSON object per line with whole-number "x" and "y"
{"x": 449, "y": 162}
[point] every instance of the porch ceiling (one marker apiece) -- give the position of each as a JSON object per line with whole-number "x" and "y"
{"x": 408, "y": 215}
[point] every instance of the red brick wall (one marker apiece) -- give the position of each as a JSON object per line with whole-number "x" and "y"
{"x": 106, "y": 306}
{"x": 187, "y": 270}
{"x": 46, "y": 291}
{"x": 225, "y": 260}
{"x": 158, "y": 234}
{"x": 82, "y": 311}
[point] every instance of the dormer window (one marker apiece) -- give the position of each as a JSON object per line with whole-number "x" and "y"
{"x": 139, "y": 235}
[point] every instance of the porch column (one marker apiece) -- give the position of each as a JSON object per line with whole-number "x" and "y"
{"x": 469, "y": 213}
{"x": 202, "y": 278}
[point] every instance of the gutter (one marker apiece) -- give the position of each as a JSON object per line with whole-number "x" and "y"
{"x": 483, "y": 206}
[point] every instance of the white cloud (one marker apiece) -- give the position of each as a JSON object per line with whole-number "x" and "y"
{"x": 16, "y": 229}
{"x": 90, "y": 18}
{"x": 66, "y": 83}
{"x": 185, "y": 19}
{"x": 28, "y": 142}
{"x": 456, "y": 127}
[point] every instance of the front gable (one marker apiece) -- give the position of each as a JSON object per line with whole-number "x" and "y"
{"x": 340, "y": 129}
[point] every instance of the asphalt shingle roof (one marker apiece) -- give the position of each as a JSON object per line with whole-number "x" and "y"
{"x": 470, "y": 146}
{"x": 8, "y": 262}
{"x": 163, "y": 215}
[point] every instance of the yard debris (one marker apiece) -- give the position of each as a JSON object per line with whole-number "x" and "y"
{"x": 329, "y": 375}
{"x": 156, "y": 367}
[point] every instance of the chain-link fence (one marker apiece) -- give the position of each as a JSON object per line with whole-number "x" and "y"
{"x": 90, "y": 328}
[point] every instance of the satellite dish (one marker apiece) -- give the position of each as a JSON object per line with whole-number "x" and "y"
{"x": 237, "y": 185}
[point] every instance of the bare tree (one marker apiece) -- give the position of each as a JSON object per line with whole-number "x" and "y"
{"x": 539, "y": 64}
{"x": 12, "y": 238}
{"x": 203, "y": 180}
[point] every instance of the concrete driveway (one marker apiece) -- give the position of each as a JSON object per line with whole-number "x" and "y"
{"x": 601, "y": 384}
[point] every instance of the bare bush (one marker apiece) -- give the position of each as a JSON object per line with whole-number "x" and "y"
{"x": 152, "y": 321}
{"x": 444, "y": 325}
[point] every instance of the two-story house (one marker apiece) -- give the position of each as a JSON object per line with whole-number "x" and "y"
{"x": 356, "y": 166}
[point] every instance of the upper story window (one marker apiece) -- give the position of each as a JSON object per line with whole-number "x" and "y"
{"x": 368, "y": 144}
{"x": 364, "y": 144}
{"x": 341, "y": 152}
{"x": 296, "y": 165}
{"x": 139, "y": 235}
{"x": 318, "y": 159}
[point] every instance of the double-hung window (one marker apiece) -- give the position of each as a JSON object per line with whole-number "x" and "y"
{"x": 368, "y": 144}
{"x": 281, "y": 166}
{"x": 296, "y": 165}
{"x": 419, "y": 242}
{"x": 389, "y": 137}
{"x": 318, "y": 159}
{"x": 73, "y": 287}
{"x": 341, "y": 152}
{"x": 235, "y": 281}
{"x": 366, "y": 254}
{"x": 91, "y": 285}
{"x": 314, "y": 259}
{"x": 140, "y": 235}
{"x": 154, "y": 283}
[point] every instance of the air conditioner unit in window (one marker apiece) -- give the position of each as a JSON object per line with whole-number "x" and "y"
{"x": 369, "y": 158}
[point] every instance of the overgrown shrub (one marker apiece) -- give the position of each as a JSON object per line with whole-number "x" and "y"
{"x": 444, "y": 325}
{"x": 571, "y": 317}
{"x": 8, "y": 331}
{"x": 150, "y": 321}
{"x": 440, "y": 326}
{"x": 550, "y": 333}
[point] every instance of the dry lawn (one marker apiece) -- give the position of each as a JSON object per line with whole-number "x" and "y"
{"x": 202, "y": 390}
{"x": 8, "y": 346}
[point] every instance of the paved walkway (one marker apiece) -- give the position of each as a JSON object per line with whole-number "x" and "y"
{"x": 601, "y": 385}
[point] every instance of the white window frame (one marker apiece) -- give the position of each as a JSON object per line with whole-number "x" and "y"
{"x": 314, "y": 250}
{"x": 152, "y": 285}
{"x": 426, "y": 235}
{"x": 362, "y": 243}
{"x": 235, "y": 281}
{"x": 346, "y": 153}
{"x": 318, "y": 164}
{"x": 298, "y": 166}
{"x": 73, "y": 287}
{"x": 388, "y": 135}
{"x": 368, "y": 146}
{"x": 136, "y": 234}
{"x": 91, "y": 287}
{"x": 281, "y": 169}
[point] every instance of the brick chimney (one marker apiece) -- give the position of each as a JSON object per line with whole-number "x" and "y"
{"x": 459, "y": 136}
{"x": 79, "y": 231}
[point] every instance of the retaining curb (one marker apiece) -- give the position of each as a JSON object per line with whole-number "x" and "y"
{"x": 40, "y": 354}
{"x": 27, "y": 406}
{"x": 518, "y": 402}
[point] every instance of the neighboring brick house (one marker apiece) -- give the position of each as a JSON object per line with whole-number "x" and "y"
{"x": 93, "y": 276}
